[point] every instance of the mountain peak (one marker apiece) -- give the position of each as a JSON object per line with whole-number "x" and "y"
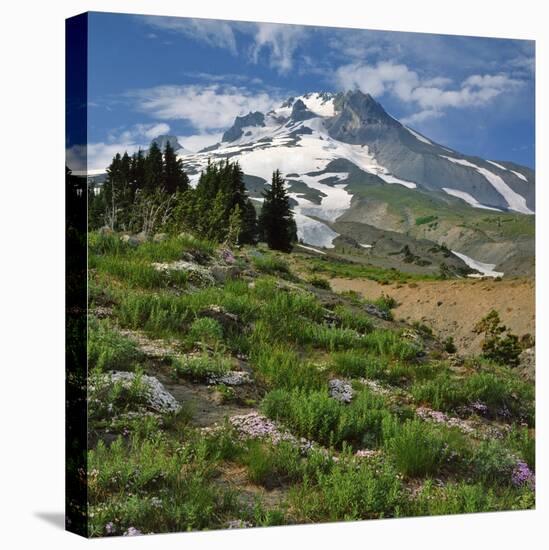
{"x": 164, "y": 139}
{"x": 251, "y": 119}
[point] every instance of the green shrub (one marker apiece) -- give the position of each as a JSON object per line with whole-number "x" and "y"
{"x": 522, "y": 440}
{"x": 270, "y": 264}
{"x": 391, "y": 344}
{"x": 107, "y": 400}
{"x": 153, "y": 486}
{"x": 137, "y": 273}
{"x": 463, "y": 498}
{"x": 110, "y": 350}
{"x": 418, "y": 448}
{"x": 350, "y": 491}
{"x": 422, "y": 220}
{"x": 492, "y": 463}
{"x": 201, "y": 367}
{"x": 273, "y": 465}
{"x": 449, "y": 345}
{"x": 317, "y": 416}
{"x": 319, "y": 282}
{"x": 354, "y": 320}
{"x": 502, "y": 392}
{"x": 207, "y": 331}
{"x": 499, "y": 343}
{"x": 280, "y": 367}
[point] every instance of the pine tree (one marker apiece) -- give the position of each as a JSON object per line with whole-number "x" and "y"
{"x": 276, "y": 221}
{"x": 174, "y": 177}
{"x": 137, "y": 171}
{"x": 235, "y": 226}
{"x": 154, "y": 168}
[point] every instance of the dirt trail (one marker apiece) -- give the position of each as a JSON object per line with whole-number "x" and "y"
{"x": 451, "y": 308}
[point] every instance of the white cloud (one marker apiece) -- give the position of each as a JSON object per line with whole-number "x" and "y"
{"x": 205, "y": 107}
{"x": 281, "y": 41}
{"x": 199, "y": 141}
{"x": 210, "y": 31}
{"x": 431, "y": 95}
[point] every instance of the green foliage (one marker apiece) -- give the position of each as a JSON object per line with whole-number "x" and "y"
{"x": 522, "y": 440}
{"x": 280, "y": 367}
{"x": 137, "y": 273}
{"x": 492, "y": 463}
{"x": 110, "y": 350}
{"x": 107, "y": 399}
{"x": 206, "y": 331}
{"x": 500, "y": 392}
{"x": 317, "y": 416}
{"x": 274, "y": 465}
{"x": 417, "y": 447}
{"x": 341, "y": 268}
{"x": 276, "y": 221}
{"x": 422, "y": 220}
{"x": 449, "y": 345}
{"x": 319, "y": 282}
{"x": 464, "y": 498}
{"x": 270, "y": 264}
{"x": 353, "y": 319}
{"x": 154, "y": 485}
{"x": 350, "y": 491}
{"x": 219, "y": 208}
{"x": 502, "y": 348}
{"x": 200, "y": 367}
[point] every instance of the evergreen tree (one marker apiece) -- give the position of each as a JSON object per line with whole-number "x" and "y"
{"x": 154, "y": 169}
{"x": 175, "y": 178}
{"x": 235, "y": 226}
{"x": 249, "y": 224}
{"x": 137, "y": 171}
{"x": 276, "y": 221}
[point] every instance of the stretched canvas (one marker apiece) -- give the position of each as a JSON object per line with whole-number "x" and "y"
{"x": 300, "y": 274}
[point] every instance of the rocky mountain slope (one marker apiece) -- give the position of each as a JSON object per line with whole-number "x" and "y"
{"x": 345, "y": 159}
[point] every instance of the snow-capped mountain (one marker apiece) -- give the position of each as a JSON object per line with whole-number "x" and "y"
{"x": 330, "y": 148}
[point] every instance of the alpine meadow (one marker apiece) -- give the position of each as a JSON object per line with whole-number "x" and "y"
{"x": 310, "y": 280}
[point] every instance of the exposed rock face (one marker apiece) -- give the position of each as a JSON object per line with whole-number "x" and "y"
{"x": 251, "y": 119}
{"x": 361, "y": 120}
{"x": 198, "y": 274}
{"x": 340, "y": 390}
{"x": 159, "y": 399}
{"x": 300, "y": 112}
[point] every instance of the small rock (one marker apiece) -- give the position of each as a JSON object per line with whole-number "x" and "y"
{"x": 231, "y": 378}
{"x": 105, "y": 231}
{"x": 223, "y": 273}
{"x": 239, "y": 524}
{"x": 130, "y": 240}
{"x": 376, "y": 312}
{"x": 340, "y": 390}
{"x": 159, "y": 237}
{"x": 159, "y": 399}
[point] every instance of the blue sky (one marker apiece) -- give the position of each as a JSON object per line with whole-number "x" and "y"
{"x": 191, "y": 77}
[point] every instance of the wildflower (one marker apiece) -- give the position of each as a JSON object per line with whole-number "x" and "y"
{"x": 132, "y": 532}
{"x": 522, "y": 475}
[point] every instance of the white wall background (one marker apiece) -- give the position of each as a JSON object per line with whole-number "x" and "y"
{"x": 32, "y": 270}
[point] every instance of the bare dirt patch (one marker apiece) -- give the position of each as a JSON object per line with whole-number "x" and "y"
{"x": 453, "y": 307}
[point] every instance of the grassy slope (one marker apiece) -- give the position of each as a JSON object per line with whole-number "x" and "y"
{"x": 469, "y": 230}
{"x": 164, "y": 474}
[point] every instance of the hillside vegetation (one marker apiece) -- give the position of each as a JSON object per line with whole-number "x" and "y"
{"x": 230, "y": 387}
